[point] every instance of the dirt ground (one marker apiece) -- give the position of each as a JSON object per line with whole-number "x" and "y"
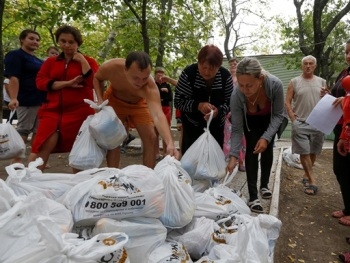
{"x": 308, "y": 234}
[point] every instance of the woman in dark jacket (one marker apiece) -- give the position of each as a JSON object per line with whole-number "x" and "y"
{"x": 202, "y": 87}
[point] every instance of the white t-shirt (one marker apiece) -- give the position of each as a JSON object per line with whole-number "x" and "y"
{"x": 5, "y": 95}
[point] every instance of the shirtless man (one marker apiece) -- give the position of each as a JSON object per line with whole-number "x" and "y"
{"x": 134, "y": 96}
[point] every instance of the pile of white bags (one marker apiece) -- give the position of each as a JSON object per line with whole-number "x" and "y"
{"x": 135, "y": 214}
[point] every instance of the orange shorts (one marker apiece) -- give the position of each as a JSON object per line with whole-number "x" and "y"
{"x": 132, "y": 113}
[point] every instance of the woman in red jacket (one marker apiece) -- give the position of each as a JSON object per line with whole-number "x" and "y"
{"x": 67, "y": 78}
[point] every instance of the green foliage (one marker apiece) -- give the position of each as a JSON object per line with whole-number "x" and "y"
{"x": 320, "y": 33}
{"x": 175, "y": 36}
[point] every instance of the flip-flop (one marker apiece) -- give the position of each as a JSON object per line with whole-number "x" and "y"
{"x": 311, "y": 189}
{"x": 345, "y": 257}
{"x": 265, "y": 193}
{"x": 338, "y": 214}
{"x": 305, "y": 182}
{"x": 345, "y": 220}
{"x": 255, "y": 206}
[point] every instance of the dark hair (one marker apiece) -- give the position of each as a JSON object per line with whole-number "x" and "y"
{"x": 26, "y": 32}
{"x": 52, "y": 47}
{"x": 69, "y": 30}
{"x": 211, "y": 54}
{"x": 141, "y": 58}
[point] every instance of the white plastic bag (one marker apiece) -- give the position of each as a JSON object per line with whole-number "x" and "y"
{"x": 170, "y": 251}
{"x": 85, "y": 153}
{"x": 130, "y": 192}
{"x": 24, "y": 180}
{"x": 253, "y": 242}
{"x": 179, "y": 194}
{"x": 292, "y": 159}
{"x": 69, "y": 248}
{"x": 105, "y": 126}
{"x": 18, "y": 228}
{"x": 220, "y": 201}
{"x": 198, "y": 237}
{"x": 11, "y": 143}
{"x": 145, "y": 235}
{"x": 205, "y": 159}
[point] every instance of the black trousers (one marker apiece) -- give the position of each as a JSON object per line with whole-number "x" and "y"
{"x": 257, "y": 125}
{"x": 341, "y": 170}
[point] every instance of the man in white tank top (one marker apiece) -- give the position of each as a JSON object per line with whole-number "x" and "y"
{"x": 305, "y": 92}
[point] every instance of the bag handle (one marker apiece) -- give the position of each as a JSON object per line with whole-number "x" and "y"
{"x": 229, "y": 177}
{"x": 210, "y": 118}
{"x": 94, "y": 104}
{"x": 12, "y": 113}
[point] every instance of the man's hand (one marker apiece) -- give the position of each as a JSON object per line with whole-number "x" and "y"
{"x": 172, "y": 151}
{"x": 324, "y": 91}
{"x": 13, "y": 104}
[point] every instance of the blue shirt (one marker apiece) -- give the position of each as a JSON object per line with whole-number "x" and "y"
{"x": 25, "y": 67}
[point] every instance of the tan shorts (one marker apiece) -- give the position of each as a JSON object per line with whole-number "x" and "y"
{"x": 27, "y": 120}
{"x": 132, "y": 113}
{"x": 306, "y": 139}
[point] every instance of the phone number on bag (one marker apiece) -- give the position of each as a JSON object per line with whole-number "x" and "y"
{"x": 105, "y": 205}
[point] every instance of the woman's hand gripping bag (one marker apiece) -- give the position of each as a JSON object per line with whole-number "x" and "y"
{"x": 11, "y": 143}
{"x": 205, "y": 159}
{"x": 85, "y": 153}
{"x": 105, "y": 126}
{"x": 179, "y": 194}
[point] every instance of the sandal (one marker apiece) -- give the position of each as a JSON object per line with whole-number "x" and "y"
{"x": 345, "y": 257}
{"x": 311, "y": 189}
{"x": 305, "y": 182}
{"x": 345, "y": 220}
{"x": 255, "y": 206}
{"x": 265, "y": 193}
{"x": 338, "y": 214}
